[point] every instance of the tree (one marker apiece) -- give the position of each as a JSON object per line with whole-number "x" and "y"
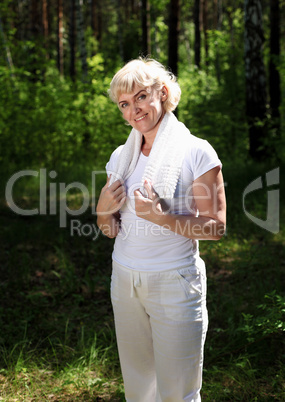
{"x": 96, "y": 19}
{"x": 60, "y": 64}
{"x": 218, "y": 26}
{"x": 255, "y": 78}
{"x": 120, "y": 30}
{"x": 146, "y": 39}
{"x": 6, "y": 49}
{"x": 35, "y": 25}
{"x": 274, "y": 77}
{"x": 45, "y": 20}
{"x": 81, "y": 40}
{"x": 72, "y": 71}
{"x": 173, "y": 36}
{"x": 197, "y": 44}
{"x": 205, "y": 30}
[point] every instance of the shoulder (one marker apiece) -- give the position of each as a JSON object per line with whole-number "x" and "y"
{"x": 116, "y": 153}
{"x": 200, "y": 156}
{"x": 196, "y": 145}
{"x": 110, "y": 166}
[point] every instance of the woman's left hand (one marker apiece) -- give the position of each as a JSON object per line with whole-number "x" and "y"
{"x": 209, "y": 196}
{"x": 149, "y": 207}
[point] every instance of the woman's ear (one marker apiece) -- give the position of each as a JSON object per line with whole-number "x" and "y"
{"x": 164, "y": 93}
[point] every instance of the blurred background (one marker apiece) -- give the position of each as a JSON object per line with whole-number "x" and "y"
{"x": 57, "y": 131}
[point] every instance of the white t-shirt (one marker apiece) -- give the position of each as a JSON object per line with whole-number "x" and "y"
{"x": 143, "y": 245}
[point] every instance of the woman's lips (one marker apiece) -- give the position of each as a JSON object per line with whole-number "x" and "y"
{"x": 141, "y": 118}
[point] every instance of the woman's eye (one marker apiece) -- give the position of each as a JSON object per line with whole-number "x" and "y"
{"x": 141, "y": 97}
{"x": 124, "y": 105}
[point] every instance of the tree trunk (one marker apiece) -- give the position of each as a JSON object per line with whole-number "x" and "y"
{"x": 146, "y": 40}
{"x": 133, "y": 7}
{"x": 205, "y": 29}
{"x": 96, "y": 19}
{"x": 93, "y": 9}
{"x": 173, "y": 36}
{"x": 255, "y": 78}
{"x": 60, "y": 64}
{"x": 6, "y": 49}
{"x": 219, "y": 28}
{"x": 45, "y": 20}
{"x": 120, "y": 30}
{"x": 45, "y": 26}
{"x": 72, "y": 70}
{"x": 274, "y": 77}
{"x": 35, "y": 31}
{"x": 34, "y": 28}
{"x": 215, "y": 14}
{"x": 197, "y": 45}
{"x": 81, "y": 41}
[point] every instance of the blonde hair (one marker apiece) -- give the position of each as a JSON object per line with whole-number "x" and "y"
{"x": 145, "y": 73}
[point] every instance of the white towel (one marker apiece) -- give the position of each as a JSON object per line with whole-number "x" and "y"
{"x": 165, "y": 159}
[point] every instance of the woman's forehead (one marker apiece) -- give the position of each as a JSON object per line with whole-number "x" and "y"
{"x": 133, "y": 92}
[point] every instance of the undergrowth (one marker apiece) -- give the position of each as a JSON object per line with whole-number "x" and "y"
{"x": 57, "y": 340}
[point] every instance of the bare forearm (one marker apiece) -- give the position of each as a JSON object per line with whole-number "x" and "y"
{"x": 200, "y": 227}
{"x": 109, "y": 225}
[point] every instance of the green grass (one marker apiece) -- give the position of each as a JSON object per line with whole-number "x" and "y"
{"x": 57, "y": 339}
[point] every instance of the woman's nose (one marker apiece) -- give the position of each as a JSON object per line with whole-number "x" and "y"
{"x": 135, "y": 108}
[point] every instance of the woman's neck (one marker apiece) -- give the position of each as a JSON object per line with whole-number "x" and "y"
{"x": 149, "y": 137}
{"x": 146, "y": 146}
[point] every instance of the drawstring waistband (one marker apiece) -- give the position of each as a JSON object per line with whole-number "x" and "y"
{"x": 140, "y": 278}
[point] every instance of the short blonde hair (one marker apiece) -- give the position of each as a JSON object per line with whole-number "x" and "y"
{"x": 145, "y": 73}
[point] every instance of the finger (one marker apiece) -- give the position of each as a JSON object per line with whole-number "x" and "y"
{"x": 148, "y": 188}
{"x": 118, "y": 183}
{"x": 138, "y": 194}
{"x": 151, "y": 193}
{"x": 123, "y": 200}
{"x": 120, "y": 193}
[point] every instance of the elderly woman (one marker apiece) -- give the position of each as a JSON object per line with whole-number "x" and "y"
{"x": 163, "y": 194}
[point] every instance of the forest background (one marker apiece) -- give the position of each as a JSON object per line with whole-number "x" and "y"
{"x": 57, "y": 131}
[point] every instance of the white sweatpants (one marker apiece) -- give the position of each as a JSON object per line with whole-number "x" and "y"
{"x": 161, "y": 322}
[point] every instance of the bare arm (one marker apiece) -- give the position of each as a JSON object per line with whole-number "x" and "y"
{"x": 209, "y": 195}
{"x": 110, "y": 201}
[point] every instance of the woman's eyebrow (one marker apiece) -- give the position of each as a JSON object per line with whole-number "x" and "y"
{"x": 123, "y": 101}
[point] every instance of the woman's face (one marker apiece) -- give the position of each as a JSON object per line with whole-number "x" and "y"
{"x": 143, "y": 108}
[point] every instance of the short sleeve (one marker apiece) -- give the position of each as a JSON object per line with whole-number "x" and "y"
{"x": 111, "y": 165}
{"x": 206, "y": 158}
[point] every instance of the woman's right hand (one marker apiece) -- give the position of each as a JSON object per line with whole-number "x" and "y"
{"x": 111, "y": 198}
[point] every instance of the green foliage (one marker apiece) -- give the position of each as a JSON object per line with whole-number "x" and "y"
{"x": 47, "y": 120}
{"x": 270, "y": 320}
{"x": 51, "y": 123}
{"x": 204, "y": 110}
{"x": 159, "y": 35}
{"x": 213, "y": 103}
